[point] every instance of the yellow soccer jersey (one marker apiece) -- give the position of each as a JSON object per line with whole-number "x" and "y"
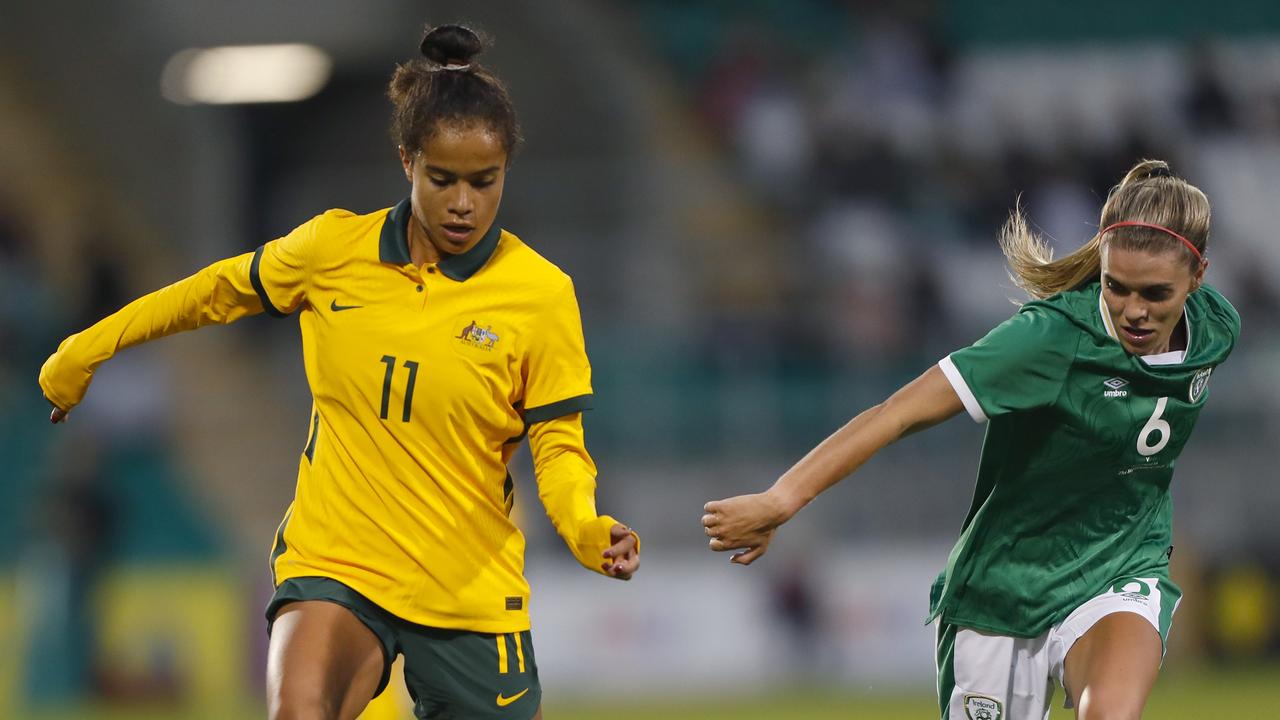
{"x": 424, "y": 380}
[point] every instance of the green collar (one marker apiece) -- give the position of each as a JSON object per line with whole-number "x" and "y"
{"x": 393, "y": 245}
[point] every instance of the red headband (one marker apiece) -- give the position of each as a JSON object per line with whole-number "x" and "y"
{"x": 1161, "y": 228}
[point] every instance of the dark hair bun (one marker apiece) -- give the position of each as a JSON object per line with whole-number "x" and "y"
{"x": 451, "y": 45}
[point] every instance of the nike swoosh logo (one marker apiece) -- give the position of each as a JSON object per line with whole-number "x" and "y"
{"x": 334, "y": 306}
{"x": 504, "y": 701}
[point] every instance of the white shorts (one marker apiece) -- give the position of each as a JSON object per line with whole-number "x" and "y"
{"x": 982, "y": 676}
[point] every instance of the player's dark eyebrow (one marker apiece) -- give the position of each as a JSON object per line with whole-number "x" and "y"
{"x": 445, "y": 171}
{"x": 1158, "y": 286}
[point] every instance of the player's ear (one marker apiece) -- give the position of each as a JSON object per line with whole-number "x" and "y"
{"x": 1198, "y": 278}
{"x": 406, "y": 160}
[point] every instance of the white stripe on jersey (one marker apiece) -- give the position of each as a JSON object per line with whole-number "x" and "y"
{"x": 962, "y": 389}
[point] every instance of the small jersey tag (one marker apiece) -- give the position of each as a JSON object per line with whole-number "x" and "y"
{"x": 515, "y": 603}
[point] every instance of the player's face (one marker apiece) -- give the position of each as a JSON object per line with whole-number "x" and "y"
{"x": 457, "y": 179}
{"x": 1144, "y": 293}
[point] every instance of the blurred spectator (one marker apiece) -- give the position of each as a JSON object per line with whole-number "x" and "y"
{"x": 773, "y": 140}
{"x": 796, "y": 606}
{"x": 27, "y": 308}
{"x": 59, "y": 570}
{"x": 1208, "y": 106}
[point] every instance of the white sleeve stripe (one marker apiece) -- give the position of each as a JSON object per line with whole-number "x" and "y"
{"x": 962, "y": 389}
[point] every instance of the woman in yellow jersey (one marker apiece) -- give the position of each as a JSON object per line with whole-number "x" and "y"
{"x": 434, "y": 342}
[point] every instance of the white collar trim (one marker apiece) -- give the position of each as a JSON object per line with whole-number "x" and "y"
{"x": 1106, "y": 317}
{"x": 1173, "y": 357}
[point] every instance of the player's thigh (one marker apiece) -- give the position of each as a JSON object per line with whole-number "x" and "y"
{"x": 322, "y": 662}
{"x": 1110, "y": 670}
{"x": 453, "y": 673}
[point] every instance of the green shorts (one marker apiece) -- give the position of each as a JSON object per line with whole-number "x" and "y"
{"x": 450, "y": 673}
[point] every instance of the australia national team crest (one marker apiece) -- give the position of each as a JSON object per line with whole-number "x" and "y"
{"x": 981, "y": 707}
{"x": 1199, "y": 382}
{"x": 476, "y": 336}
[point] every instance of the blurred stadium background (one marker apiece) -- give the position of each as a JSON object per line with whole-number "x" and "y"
{"x": 775, "y": 213}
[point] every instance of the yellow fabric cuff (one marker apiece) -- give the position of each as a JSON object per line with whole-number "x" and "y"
{"x": 62, "y": 383}
{"x": 593, "y": 539}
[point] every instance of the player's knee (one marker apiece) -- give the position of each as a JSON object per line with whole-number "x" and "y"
{"x": 296, "y": 703}
{"x": 1103, "y": 705}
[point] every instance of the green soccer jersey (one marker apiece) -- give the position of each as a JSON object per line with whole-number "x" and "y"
{"x": 1073, "y": 483}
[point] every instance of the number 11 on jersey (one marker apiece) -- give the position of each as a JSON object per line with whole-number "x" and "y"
{"x": 412, "y": 367}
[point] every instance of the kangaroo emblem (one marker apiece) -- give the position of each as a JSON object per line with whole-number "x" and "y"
{"x": 482, "y": 337}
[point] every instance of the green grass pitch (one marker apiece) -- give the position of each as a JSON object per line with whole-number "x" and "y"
{"x": 1246, "y": 694}
{"x": 1251, "y": 693}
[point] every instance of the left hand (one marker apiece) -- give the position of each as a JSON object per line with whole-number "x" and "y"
{"x": 622, "y": 559}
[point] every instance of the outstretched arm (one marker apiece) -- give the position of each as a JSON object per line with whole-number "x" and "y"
{"x": 220, "y": 293}
{"x": 747, "y": 522}
{"x": 274, "y": 278}
{"x": 567, "y": 485}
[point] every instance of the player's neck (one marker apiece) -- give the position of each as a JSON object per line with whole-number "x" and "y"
{"x": 1177, "y": 339}
{"x": 421, "y": 249}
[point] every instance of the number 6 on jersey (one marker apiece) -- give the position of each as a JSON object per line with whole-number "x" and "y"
{"x": 1154, "y": 424}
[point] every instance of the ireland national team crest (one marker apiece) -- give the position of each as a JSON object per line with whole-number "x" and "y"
{"x": 981, "y": 707}
{"x": 1199, "y": 382}
{"x": 1133, "y": 588}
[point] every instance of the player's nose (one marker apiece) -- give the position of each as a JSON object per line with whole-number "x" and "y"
{"x": 461, "y": 202}
{"x": 1135, "y": 313}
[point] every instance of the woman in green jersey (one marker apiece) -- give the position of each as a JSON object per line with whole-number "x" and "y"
{"x": 1090, "y": 392}
{"x": 434, "y": 342}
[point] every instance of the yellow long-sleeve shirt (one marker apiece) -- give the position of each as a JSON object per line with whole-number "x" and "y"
{"x": 424, "y": 381}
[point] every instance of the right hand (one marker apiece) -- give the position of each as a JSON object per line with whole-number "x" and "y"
{"x": 65, "y": 376}
{"x": 745, "y": 522}
{"x": 57, "y": 415}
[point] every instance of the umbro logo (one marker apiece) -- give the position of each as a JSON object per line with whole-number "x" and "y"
{"x": 1115, "y": 387}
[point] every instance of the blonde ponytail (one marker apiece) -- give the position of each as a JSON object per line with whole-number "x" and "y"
{"x": 1031, "y": 263}
{"x": 1149, "y": 193}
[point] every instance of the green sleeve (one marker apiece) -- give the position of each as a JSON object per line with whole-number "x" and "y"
{"x": 1020, "y": 365}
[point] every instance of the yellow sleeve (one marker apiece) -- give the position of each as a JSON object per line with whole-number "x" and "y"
{"x": 567, "y": 485}
{"x": 281, "y": 269}
{"x": 557, "y": 374}
{"x": 220, "y": 293}
{"x": 271, "y": 278}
